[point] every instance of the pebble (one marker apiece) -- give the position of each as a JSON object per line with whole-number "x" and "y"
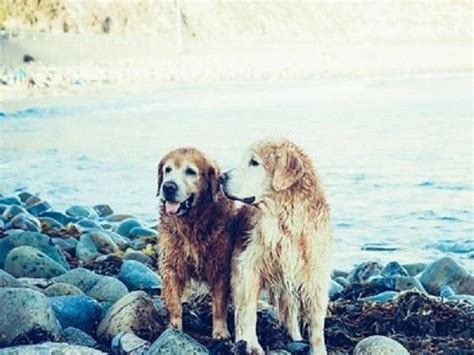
{"x": 81, "y": 312}
{"x": 26, "y": 261}
{"x": 24, "y": 196}
{"x": 364, "y": 271}
{"x": 381, "y": 297}
{"x": 94, "y": 244}
{"x": 24, "y": 222}
{"x": 11, "y": 211}
{"x": 127, "y": 225}
{"x": 122, "y": 242}
{"x": 342, "y": 281}
{"x": 393, "y": 268}
{"x": 51, "y": 349}
{"x": 297, "y": 347}
{"x": 103, "y": 210}
{"x": 76, "y": 336}
{"x": 128, "y": 343}
{"x": 62, "y": 289}
{"x": 140, "y": 232}
{"x": 118, "y": 217}
{"x": 82, "y": 278}
{"x": 446, "y": 272}
{"x": 65, "y": 244}
{"x": 171, "y": 340}
{"x": 58, "y": 216}
{"x": 38, "y": 208}
{"x": 108, "y": 289}
{"x": 131, "y": 254}
{"x": 138, "y": 276}
{"x": 30, "y": 313}
{"x": 136, "y": 313}
{"x": 379, "y": 345}
{"x": 7, "y": 280}
{"x": 82, "y": 212}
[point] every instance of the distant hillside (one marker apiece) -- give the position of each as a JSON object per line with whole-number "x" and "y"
{"x": 213, "y": 20}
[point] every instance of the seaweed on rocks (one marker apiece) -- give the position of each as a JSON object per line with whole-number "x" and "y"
{"x": 109, "y": 266}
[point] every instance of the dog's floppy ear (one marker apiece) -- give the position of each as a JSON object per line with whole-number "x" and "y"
{"x": 160, "y": 177}
{"x": 213, "y": 179}
{"x": 288, "y": 169}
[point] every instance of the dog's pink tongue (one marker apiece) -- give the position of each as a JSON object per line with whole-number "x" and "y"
{"x": 171, "y": 207}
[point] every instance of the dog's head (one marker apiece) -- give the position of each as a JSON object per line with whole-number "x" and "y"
{"x": 267, "y": 168}
{"x": 187, "y": 179}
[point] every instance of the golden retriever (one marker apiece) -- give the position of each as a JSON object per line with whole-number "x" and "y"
{"x": 195, "y": 233}
{"x": 288, "y": 252}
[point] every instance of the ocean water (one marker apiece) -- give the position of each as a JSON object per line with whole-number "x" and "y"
{"x": 395, "y": 155}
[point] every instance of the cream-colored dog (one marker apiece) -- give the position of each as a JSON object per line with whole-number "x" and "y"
{"x": 288, "y": 252}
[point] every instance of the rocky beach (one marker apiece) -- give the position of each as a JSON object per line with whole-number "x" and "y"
{"x": 84, "y": 281}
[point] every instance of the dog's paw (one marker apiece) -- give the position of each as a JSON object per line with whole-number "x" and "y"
{"x": 220, "y": 334}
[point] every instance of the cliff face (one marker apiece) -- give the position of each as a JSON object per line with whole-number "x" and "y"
{"x": 214, "y": 20}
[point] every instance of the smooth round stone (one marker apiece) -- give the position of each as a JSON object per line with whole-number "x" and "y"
{"x": 36, "y": 240}
{"x": 11, "y": 211}
{"x": 118, "y": 217}
{"x": 81, "y": 312}
{"x": 403, "y": 283}
{"x": 62, "y": 289}
{"x": 7, "y": 280}
{"x": 364, "y": 271}
{"x": 393, "y": 268}
{"x": 34, "y": 283}
{"x": 108, "y": 289}
{"x": 379, "y": 345}
{"x": 135, "y": 313}
{"x": 32, "y": 200}
{"x": 38, "y": 208}
{"x": 2, "y": 209}
{"x": 342, "y": 281}
{"x": 24, "y": 222}
{"x": 334, "y": 289}
{"x": 67, "y": 245}
{"x": 446, "y": 272}
{"x": 94, "y": 244}
{"x": 278, "y": 352}
{"x": 25, "y": 314}
{"x": 24, "y": 196}
{"x": 138, "y": 276}
{"x": 58, "y": 216}
{"x": 86, "y": 224}
{"x": 26, "y": 261}
{"x": 297, "y": 347}
{"x": 171, "y": 340}
{"x": 139, "y": 232}
{"x": 103, "y": 210}
{"x": 49, "y": 225}
{"x": 76, "y": 336}
{"x": 122, "y": 242}
{"x": 129, "y": 343}
{"x": 10, "y": 201}
{"x": 381, "y": 297}
{"x": 139, "y": 256}
{"x": 446, "y": 291}
{"x": 82, "y": 212}
{"x": 127, "y": 225}
{"x": 51, "y": 349}
{"x": 138, "y": 244}
{"x": 82, "y": 278}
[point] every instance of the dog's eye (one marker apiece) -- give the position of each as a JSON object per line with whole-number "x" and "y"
{"x": 190, "y": 172}
{"x": 253, "y": 162}
{"x": 168, "y": 170}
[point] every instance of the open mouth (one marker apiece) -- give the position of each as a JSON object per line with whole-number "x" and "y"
{"x": 247, "y": 200}
{"x": 178, "y": 208}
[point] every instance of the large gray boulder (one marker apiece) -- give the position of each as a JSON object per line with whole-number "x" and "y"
{"x": 82, "y": 278}
{"x": 447, "y": 272}
{"x": 379, "y": 345}
{"x": 27, "y": 261}
{"x": 108, "y": 289}
{"x": 51, "y": 349}
{"x": 174, "y": 342}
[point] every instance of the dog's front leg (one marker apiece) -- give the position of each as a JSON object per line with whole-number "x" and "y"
{"x": 220, "y": 296}
{"x": 172, "y": 290}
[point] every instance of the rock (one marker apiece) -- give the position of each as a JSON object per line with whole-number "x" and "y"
{"x": 138, "y": 244}
{"x": 381, "y": 297}
{"x": 342, "y": 281}
{"x": 127, "y": 225}
{"x": 82, "y": 278}
{"x": 403, "y": 283}
{"x": 364, "y": 271}
{"x": 446, "y": 272}
{"x": 26, "y": 261}
{"x": 50, "y": 225}
{"x": 10, "y": 201}
{"x": 81, "y": 312}
{"x": 103, "y": 210}
{"x": 62, "y": 289}
{"x": 28, "y": 58}
{"x": 35, "y": 283}
{"x": 334, "y": 289}
{"x": 76, "y": 336}
{"x": 131, "y": 254}
{"x": 38, "y": 208}
{"x": 36, "y": 240}
{"x": 51, "y": 349}
{"x": 393, "y": 268}
{"x": 58, "y": 216}
{"x": 379, "y": 247}
{"x": 446, "y": 291}
{"x": 278, "y": 352}
{"x": 25, "y": 222}
{"x": 86, "y": 224}
{"x": 136, "y": 313}
{"x": 108, "y": 289}
{"x": 11, "y": 211}
{"x": 2, "y": 209}
{"x": 297, "y": 347}
{"x": 465, "y": 298}
{"x": 129, "y": 344}
{"x": 94, "y": 244}
{"x": 415, "y": 268}
{"x": 67, "y": 245}
{"x": 122, "y": 242}
{"x": 379, "y": 345}
{"x": 32, "y": 200}
{"x": 24, "y": 196}
{"x": 82, "y": 212}
{"x": 25, "y": 315}
{"x": 7, "y": 280}
{"x": 137, "y": 276}
{"x": 139, "y": 232}
{"x": 175, "y": 342}
{"x": 118, "y": 217}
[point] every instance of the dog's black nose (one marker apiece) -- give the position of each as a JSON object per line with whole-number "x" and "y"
{"x": 223, "y": 178}
{"x": 170, "y": 187}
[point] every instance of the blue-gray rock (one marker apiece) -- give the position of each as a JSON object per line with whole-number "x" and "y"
{"x": 278, "y": 352}
{"x": 138, "y": 244}
{"x": 82, "y": 212}
{"x": 39, "y": 208}
{"x": 414, "y": 268}
{"x": 32, "y": 200}
{"x": 342, "y": 281}
{"x": 58, "y": 216}
{"x": 464, "y": 298}
{"x": 50, "y": 225}
{"x": 403, "y": 283}
{"x": 94, "y": 244}
{"x": 62, "y": 289}
{"x": 136, "y": 313}
{"x": 381, "y": 297}
{"x": 108, "y": 289}
{"x": 139, "y": 232}
{"x": 127, "y": 225}
{"x": 24, "y": 222}
{"x": 130, "y": 344}
{"x": 81, "y": 312}
{"x": 393, "y": 268}
{"x": 446, "y": 291}
{"x": 174, "y": 342}
{"x": 66, "y": 244}
{"x": 86, "y": 224}
{"x": 379, "y": 345}
{"x": 7, "y": 280}
{"x": 24, "y": 196}
{"x": 25, "y": 314}
{"x": 122, "y": 242}
{"x": 139, "y": 256}
{"x": 76, "y": 336}
{"x": 137, "y": 276}
{"x": 26, "y": 261}
{"x": 51, "y": 349}
{"x": 103, "y": 210}
{"x": 11, "y": 211}
{"x": 334, "y": 289}
{"x": 297, "y": 347}
{"x": 82, "y": 278}
{"x": 364, "y": 271}
{"x": 379, "y": 247}
{"x": 10, "y": 201}
{"x": 118, "y": 217}
{"x": 446, "y": 272}
{"x": 36, "y": 240}
{"x": 2, "y": 209}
